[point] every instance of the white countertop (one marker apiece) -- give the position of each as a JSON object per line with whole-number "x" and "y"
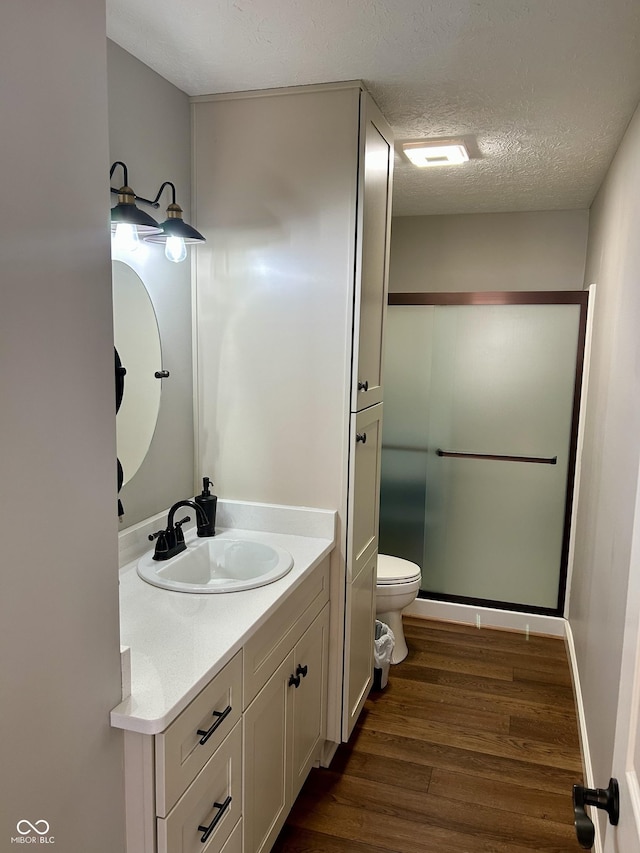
{"x": 178, "y": 641}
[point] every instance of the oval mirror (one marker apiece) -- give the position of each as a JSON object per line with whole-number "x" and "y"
{"x": 137, "y": 341}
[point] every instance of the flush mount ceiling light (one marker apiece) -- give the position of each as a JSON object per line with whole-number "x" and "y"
{"x": 129, "y": 223}
{"x": 438, "y": 152}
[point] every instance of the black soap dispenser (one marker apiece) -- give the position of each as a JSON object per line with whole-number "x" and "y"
{"x": 208, "y": 503}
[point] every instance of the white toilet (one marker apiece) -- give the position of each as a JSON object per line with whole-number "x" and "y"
{"x": 397, "y": 586}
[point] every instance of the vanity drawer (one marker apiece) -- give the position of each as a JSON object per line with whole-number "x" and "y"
{"x": 234, "y": 842}
{"x": 181, "y": 752}
{"x": 220, "y": 780}
{"x": 272, "y": 642}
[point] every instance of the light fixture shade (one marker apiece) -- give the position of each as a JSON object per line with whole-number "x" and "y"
{"x": 175, "y": 226}
{"x": 125, "y": 212}
{"x": 439, "y": 152}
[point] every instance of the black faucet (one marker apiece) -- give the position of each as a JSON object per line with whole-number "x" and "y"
{"x": 171, "y": 541}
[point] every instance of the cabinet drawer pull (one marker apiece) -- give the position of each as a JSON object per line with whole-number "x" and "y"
{"x": 207, "y": 830}
{"x": 361, "y": 436}
{"x": 302, "y": 670}
{"x": 363, "y": 386}
{"x": 220, "y": 717}
{"x": 295, "y": 680}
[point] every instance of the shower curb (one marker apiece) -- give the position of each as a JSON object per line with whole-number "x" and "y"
{"x": 487, "y": 617}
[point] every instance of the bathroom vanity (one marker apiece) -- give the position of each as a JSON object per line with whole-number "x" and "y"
{"x": 293, "y": 190}
{"x": 227, "y": 709}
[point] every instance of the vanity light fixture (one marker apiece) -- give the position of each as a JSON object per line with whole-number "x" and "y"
{"x": 436, "y": 152}
{"x": 128, "y": 222}
{"x": 176, "y": 234}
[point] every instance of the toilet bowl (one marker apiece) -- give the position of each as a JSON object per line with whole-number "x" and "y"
{"x": 397, "y": 585}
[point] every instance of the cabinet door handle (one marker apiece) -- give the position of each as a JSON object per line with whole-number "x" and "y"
{"x": 207, "y": 830}
{"x": 363, "y": 386}
{"x": 295, "y": 680}
{"x": 220, "y": 718}
{"x": 302, "y": 670}
{"x": 361, "y": 436}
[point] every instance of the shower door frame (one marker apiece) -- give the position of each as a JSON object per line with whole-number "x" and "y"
{"x": 523, "y": 297}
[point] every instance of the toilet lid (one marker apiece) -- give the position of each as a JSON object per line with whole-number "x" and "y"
{"x": 395, "y": 570}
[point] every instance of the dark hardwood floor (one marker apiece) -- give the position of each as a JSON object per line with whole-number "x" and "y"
{"x": 472, "y": 748}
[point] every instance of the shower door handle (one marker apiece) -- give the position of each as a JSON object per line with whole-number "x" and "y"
{"x": 497, "y": 457}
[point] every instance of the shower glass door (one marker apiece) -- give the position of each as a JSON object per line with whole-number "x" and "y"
{"x": 478, "y": 446}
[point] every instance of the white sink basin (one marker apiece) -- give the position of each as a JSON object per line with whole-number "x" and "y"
{"x": 217, "y": 565}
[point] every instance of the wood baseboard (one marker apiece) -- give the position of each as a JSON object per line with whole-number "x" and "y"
{"x": 582, "y": 723}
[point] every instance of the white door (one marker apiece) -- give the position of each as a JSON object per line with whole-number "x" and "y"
{"x": 374, "y": 231}
{"x": 363, "y": 512}
{"x": 309, "y": 699}
{"x": 266, "y": 755}
{"x": 625, "y": 838}
{"x": 360, "y": 617}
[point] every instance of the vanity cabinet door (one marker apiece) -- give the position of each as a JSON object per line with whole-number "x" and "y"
{"x": 362, "y": 555}
{"x": 309, "y": 700}
{"x": 364, "y": 488}
{"x": 284, "y": 729}
{"x": 267, "y": 749}
{"x": 234, "y": 842}
{"x": 358, "y": 649}
{"x": 372, "y": 243}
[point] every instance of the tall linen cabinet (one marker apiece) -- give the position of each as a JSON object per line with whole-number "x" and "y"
{"x": 292, "y": 189}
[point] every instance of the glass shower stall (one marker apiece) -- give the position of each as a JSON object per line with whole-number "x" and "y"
{"x": 479, "y": 441}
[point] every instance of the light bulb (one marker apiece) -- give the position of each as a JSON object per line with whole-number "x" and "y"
{"x": 126, "y": 237}
{"x": 175, "y": 249}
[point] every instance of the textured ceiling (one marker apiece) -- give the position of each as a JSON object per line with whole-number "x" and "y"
{"x": 541, "y": 90}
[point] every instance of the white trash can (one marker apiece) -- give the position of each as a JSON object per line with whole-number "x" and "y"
{"x": 383, "y": 645}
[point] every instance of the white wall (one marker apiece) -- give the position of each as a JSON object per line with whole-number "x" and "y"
{"x": 543, "y": 250}
{"x": 611, "y": 448}
{"x": 61, "y": 762}
{"x": 150, "y": 131}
